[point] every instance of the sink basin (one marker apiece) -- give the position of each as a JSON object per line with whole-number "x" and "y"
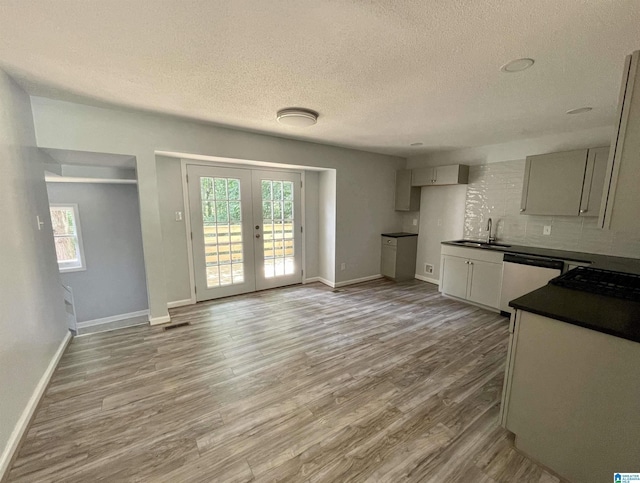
{"x": 477, "y": 244}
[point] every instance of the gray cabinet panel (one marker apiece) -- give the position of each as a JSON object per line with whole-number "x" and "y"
{"x": 422, "y": 176}
{"x": 486, "y": 282}
{"x": 619, "y": 210}
{"x": 455, "y": 276}
{"x": 399, "y": 257}
{"x": 407, "y": 196}
{"x": 440, "y": 175}
{"x": 454, "y": 174}
{"x": 594, "y": 181}
{"x": 553, "y": 183}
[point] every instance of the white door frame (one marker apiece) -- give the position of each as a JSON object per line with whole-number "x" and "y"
{"x": 231, "y": 163}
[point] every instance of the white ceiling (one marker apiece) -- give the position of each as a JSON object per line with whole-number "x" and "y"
{"x": 382, "y": 74}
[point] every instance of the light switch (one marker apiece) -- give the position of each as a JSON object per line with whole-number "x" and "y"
{"x": 415, "y": 222}
{"x": 546, "y": 230}
{"x": 178, "y": 215}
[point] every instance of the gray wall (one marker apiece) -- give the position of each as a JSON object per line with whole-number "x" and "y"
{"x": 114, "y": 281}
{"x": 364, "y": 181}
{"x": 174, "y": 236}
{"x": 327, "y": 225}
{"x": 32, "y": 316}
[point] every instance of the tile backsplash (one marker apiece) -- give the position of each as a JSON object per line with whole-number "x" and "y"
{"x": 495, "y": 190}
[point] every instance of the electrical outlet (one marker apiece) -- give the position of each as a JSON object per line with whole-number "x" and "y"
{"x": 428, "y": 268}
{"x": 178, "y": 215}
{"x": 415, "y": 222}
{"x": 546, "y": 230}
{"x": 439, "y": 221}
{"x": 343, "y": 266}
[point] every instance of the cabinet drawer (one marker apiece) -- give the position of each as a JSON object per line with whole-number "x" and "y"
{"x": 387, "y": 240}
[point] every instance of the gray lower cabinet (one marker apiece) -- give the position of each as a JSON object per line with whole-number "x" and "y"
{"x": 398, "y": 261}
{"x": 571, "y": 398}
{"x": 471, "y": 279}
{"x": 407, "y": 196}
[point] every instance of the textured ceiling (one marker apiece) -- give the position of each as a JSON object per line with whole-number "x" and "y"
{"x": 382, "y": 74}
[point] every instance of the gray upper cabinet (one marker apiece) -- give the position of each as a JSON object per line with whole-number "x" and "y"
{"x": 440, "y": 175}
{"x": 553, "y": 183}
{"x": 407, "y": 196}
{"x": 594, "y": 177}
{"x": 621, "y": 200}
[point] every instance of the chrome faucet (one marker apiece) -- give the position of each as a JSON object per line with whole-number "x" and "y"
{"x": 490, "y": 237}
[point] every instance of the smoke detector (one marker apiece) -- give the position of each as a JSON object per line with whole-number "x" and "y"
{"x": 297, "y": 117}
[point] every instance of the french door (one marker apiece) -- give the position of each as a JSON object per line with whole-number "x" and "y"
{"x": 245, "y": 228}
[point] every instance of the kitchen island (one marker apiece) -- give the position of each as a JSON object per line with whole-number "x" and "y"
{"x": 572, "y": 387}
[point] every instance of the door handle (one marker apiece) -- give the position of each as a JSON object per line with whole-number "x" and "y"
{"x": 257, "y": 235}
{"x": 257, "y": 227}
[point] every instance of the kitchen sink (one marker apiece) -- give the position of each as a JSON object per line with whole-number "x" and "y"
{"x": 478, "y": 244}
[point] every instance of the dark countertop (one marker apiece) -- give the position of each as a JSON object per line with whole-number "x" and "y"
{"x": 609, "y": 315}
{"x": 605, "y": 262}
{"x": 399, "y": 234}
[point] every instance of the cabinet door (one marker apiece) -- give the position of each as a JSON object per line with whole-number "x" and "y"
{"x": 422, "y": 176}
{"x": 388, "y": 262}
{"x": 455, "y": 272}
{"x": 594, "y": 181}
{"x": 454, "y": 174}
{"x": 553, "y": 183}
{"x": 407, "y": 196}
{"x": 486, "y": 283}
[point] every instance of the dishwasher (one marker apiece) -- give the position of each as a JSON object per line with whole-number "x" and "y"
{"x": 522, "y": 274}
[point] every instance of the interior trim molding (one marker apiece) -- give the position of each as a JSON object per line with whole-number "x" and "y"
{"x": 434, "y": 281}
{"x": 21, "y": 427}
{"x": 180, "y": 303}
{"x": 311, "y": 280}
{"x": 159, "y": 320}
{"x": 326, "y": 282}
{"x": 113, "y": 318}
{"x": 356, "y": 280}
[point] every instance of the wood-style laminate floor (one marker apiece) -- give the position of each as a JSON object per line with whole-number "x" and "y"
{"x": 374, "y": 382}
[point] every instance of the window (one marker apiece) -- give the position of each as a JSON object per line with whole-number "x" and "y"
{"x": 68, "y": 238}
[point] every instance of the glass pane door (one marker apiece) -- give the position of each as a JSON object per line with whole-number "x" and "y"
{"x": 277, "y": 228}
{"x": 220, "y": 210}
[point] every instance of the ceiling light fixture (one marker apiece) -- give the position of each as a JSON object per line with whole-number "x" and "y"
{"x": 297, "y": 117}
{"x": 415, "y": 144}
{"x": 579, "y": 110}
{"x": 517, "y": 65}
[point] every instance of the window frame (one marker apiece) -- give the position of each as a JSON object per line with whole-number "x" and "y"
{"x": 66, "y": 267}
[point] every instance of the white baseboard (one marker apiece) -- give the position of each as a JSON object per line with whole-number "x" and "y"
{"x": 326, "y": 282}
{"x": 113, "y": 318}
{"x": 25, "y": 418}
{"x": 427, "y": 279}
{"x": 160, "y": 320}
{"x": 180, "y": 303}
{"x": 311, "y": 280}
{"x": 357, "y": 280}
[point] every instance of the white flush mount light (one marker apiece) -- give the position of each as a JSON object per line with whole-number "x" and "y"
{"x": 297, "y": 117}
{"x": 579, "y": 110}
{"x": 415, "y": 144}
{"x": 517, "y": 65}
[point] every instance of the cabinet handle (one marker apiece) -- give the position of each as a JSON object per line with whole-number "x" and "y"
{"x": 521, "y": 210}
{"x": 583, "y": 211}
